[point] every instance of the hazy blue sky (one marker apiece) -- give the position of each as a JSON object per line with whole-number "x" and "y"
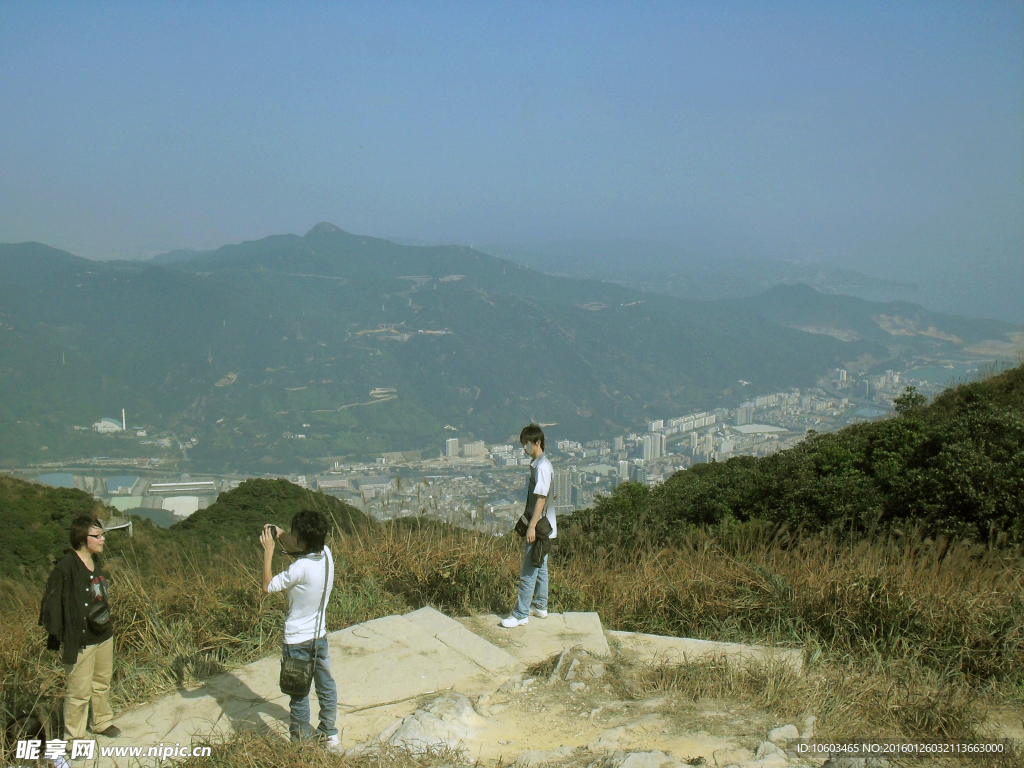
{"x": 887, "y": 137}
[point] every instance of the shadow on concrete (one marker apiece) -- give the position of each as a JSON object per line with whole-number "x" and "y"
{"x": 239, "y": 706}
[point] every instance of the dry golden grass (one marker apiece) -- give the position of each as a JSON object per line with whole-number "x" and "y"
{"x": 903, "y": 635}
{"x": 254, "y": 751}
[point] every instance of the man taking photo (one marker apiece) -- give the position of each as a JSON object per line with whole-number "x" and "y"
{"x": 307, "y": 582}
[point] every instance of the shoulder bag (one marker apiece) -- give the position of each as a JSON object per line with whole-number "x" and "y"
{"x": 98, "y": 615}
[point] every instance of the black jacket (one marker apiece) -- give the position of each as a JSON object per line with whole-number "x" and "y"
{"x": 62, "y": 612}
{"x": 542, "y": 545}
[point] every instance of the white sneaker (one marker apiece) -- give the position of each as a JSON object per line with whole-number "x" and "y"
{"x": 512, "y": 621}
{"x": 333, "y": 744}
{"x": 540, "y": 613}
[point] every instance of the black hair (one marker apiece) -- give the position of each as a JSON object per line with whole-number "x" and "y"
{"x": 532, "y": 433}
{"x": 310, "y": 527}
{"x": 80, "y": 529}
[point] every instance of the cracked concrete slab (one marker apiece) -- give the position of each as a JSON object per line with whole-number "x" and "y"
{"x": 382, "y": 668}
{"x": 456, "y": 636}
{"x": 540, "y": 639}
{"x": 389, "y": 668}
{"x": 674, "y": 650}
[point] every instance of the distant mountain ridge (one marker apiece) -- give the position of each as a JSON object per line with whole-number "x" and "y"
{"x": 851, "y": 318}
{"x": 180, "y": 254}
{"x": 663, "y": 268}
{"x": 278, "y": 352}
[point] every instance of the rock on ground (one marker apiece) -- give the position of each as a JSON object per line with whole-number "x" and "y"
{"x": 783, "y": 734}
{"x": 447, "y": 720}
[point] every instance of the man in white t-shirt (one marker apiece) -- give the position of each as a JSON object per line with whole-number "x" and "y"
{"x": 308, "y": 582}
{"x": 533, "y": 579}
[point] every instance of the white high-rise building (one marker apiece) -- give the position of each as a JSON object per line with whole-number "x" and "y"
{"x": 653, "y": 446}
{"x": 451, "y": 446}
{"x": 744, "y": 414}
{"x": 474, "y": 450}
{"x": 563, "y": 488}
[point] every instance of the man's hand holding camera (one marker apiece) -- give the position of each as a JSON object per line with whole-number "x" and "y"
{"x": 270, "y": 533}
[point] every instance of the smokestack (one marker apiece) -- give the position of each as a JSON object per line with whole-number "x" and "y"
{"x": 123, "y": 426}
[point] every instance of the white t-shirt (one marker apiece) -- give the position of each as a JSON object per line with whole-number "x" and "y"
{"x": 304, "y": 582}
{"x": 539, "y": 484}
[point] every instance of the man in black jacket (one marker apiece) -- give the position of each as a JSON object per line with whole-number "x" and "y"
{"x": 75, "y": 613}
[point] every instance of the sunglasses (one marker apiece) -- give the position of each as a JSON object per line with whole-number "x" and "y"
{"x": 95, "y": 535}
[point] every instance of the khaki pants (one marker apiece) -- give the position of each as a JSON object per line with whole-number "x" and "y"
{"x": 89, "y": 681}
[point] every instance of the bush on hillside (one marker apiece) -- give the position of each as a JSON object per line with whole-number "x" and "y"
{"x": 955, "y": 467}
{"x": 34, "y": 523}
{"x": 242, "y": 511}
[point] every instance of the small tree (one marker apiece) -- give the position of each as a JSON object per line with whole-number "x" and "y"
{"x": 909, "y": 401}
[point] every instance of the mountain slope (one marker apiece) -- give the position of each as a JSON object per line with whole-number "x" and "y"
{"x": 241, "y": 513}
{"x": 899, "y": 325}
{"x": 666, "y": 269}
{"x": 34, "y": 524}
{"x": 359, "y": 345}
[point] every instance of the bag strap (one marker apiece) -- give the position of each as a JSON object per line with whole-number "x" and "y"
{"x": 323, "y": 597}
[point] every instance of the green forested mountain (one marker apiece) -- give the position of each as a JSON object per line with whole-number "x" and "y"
{"x": 359, "y": 345}
{"x": 953, "y": 467}
{"x": 35, "y": 519}
{"x": 243, "y": 511}
{"x": 34, "y": 524}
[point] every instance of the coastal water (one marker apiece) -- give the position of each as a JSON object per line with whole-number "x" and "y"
{"x": 949, "y": 373}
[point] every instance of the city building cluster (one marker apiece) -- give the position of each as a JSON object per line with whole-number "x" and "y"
{"x": 473, "y": 484}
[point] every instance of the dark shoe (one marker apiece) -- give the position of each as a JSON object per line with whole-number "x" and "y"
{"x": 111, "y": 732}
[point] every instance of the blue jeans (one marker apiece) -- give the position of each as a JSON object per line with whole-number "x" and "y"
{"x": 326, "y": 691}
{"x": 533, "y": 585}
